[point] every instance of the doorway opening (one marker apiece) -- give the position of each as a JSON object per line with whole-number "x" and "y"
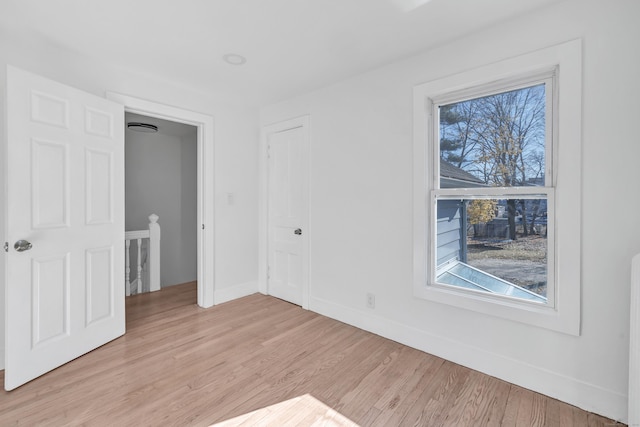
{"x": 160, "y": 178}
{"x": 204, "y": 178}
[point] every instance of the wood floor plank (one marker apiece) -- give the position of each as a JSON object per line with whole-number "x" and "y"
{"x": 496, "y": 410}
{"x": 262, "y": 361}
{"x": 429, "y": 406}
{"x": 401, "y": 378}
{"x": 473, "y": 402}
{"x": 406, "y": 397}
{"x": 510, "y": 415}
{"x": 537, "y": 416}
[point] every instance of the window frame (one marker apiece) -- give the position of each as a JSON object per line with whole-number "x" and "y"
{"x": 549, "y": 79}
{"x": 561, "y": 67}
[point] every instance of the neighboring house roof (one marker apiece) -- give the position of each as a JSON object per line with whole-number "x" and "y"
{"x": 453, "y": 176}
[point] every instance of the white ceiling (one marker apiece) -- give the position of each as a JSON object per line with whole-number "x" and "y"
{"x": 291, "y": 46}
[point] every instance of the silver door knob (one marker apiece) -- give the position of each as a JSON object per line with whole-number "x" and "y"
{"x": 297, "y": 231}
{"x": 22, "y": 245}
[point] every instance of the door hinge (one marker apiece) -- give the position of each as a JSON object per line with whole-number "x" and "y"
{"x": 203, "y": 226}
{"x": 6, "y": 246}
{"x": 268, "y": 152}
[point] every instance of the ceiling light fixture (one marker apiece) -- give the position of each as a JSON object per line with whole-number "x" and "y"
{"x": 142, "y": 127}
{"x": 234, "y": 59}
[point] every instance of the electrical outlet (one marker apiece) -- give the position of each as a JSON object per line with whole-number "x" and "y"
{"x": 371, "y": 301}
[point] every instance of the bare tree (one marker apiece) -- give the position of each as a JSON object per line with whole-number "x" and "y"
{"x": 499, "y": 139}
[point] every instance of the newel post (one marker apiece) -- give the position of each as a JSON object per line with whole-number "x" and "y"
{"x": 154, "y": 253}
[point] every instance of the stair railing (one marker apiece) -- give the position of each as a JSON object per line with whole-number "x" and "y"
{"x": 150, "y": 263}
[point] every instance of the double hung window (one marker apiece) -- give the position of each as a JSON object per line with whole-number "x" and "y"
{"x": 497, "y": 174}
{"x": 492, "y": 189}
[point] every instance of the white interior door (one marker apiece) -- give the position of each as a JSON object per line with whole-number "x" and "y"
{"x": 286, "y": 214}
{"x": 65, "y": 197}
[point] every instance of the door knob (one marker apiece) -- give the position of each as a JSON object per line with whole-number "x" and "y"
{"x": 22, "y": 245}
{"x": 297, "y": 231}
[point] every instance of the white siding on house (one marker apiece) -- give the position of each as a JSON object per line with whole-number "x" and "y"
{"x": 449, "y": 229}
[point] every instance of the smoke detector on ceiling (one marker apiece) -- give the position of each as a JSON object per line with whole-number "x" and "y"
{"x": 142, "y": 127}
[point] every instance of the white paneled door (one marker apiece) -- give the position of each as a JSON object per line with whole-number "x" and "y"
{"x": 65, "y": 218}
{"x": 287, "y": 170}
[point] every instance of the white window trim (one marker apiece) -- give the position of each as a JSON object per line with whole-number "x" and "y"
{"x": 564, "y": 313}
{"x": 548, "y": 77}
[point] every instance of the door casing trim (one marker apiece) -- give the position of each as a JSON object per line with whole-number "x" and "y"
{"x": 205, "y": 179}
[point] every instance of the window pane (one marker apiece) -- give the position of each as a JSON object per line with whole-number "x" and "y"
{"x": 496, "y": 140}
{"x": 493, "y": 245}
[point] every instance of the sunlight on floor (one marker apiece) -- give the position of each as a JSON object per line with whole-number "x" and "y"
{"x": 303, "y": 410}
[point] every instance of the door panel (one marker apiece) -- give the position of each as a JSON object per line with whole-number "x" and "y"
{"x": 286, "y": 203}
{"x": 65, "y": 195}
{"x": 99, "y": 178}
{"x": 50, "y": 184}
{"x": 99, "y": 284}
{"x": 49, "y": 109}
{"x": 50, "y": 298}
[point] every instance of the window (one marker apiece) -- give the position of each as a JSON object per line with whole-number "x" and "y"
{"x": 492, "y": 191}
{"x": 497, "y": 189}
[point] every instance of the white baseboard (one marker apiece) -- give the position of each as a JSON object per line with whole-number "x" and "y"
{"x": 232, "y": 292}
{"x": 584, "y": 395}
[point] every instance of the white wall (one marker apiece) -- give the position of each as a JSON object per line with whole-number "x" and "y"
{"x": 3, "y": 226}
{"x": 189, "y": 208}
{"x": 160, "y": 175}
{"x": 361, "y": 207}
{"x": 236, "y": 135}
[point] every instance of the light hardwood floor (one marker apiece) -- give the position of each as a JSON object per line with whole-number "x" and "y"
{"x": 181, "y": 365}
